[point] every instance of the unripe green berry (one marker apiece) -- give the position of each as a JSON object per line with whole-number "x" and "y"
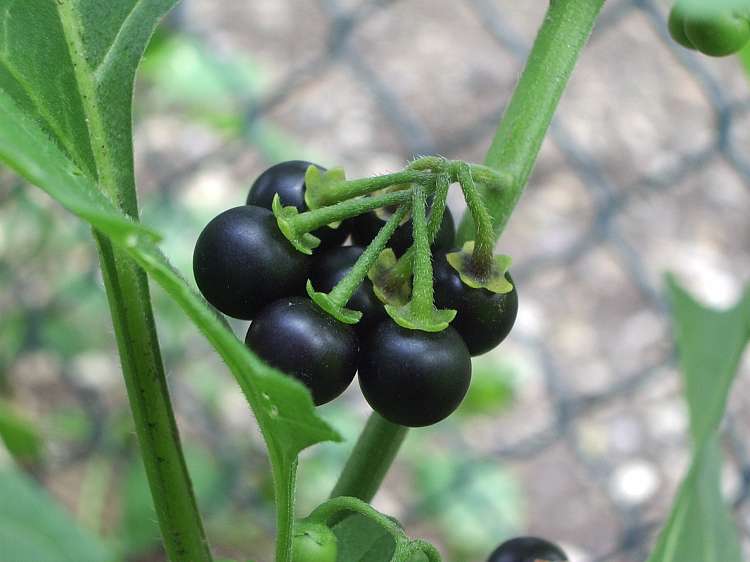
{"x": 314, "y": 542}
{"x": 717, "y": 33}
{"x": 677, "y": 26}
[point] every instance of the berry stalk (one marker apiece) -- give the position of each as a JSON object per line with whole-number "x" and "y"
{"x": 345, "y": 288}
{"x": 370, "y": 459}
{"x": 484, "y": 236}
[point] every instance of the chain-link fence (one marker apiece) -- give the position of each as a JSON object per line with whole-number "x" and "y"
{"x": 646, "y": 169}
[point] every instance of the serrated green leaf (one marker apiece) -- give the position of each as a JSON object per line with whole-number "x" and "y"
{"x": 34, "y": 527}
{"x": 710, "y": 344}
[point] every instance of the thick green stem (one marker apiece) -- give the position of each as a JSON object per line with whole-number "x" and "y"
{"x": 422, "y": 302}
{"x": 484, "y": 238}
{"x": 132, "y": 317}
{"x": 370, "y": 459}
{"x": 354, "y": 188}
{"x": 145, "y": 381}
{"x": 345, "y": 288}
{"x": 312, "y": 220}
{"x": 514, "y": 150}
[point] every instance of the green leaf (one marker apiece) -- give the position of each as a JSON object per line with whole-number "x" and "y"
{"x": 66, "y": 75}
{"x": 34, "y": 527}
{"x": 19, "y": 434}
{"x": 710, "y": 343}
{"x": 366, "y": 535}
{"x": 360, "y": 539}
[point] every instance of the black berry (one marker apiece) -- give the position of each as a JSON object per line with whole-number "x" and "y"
{"x": 411, "y": 377}
{"x": 330, "y": 267}
{"x": 527, "y": 549}
{"x": 242, "y": 262}
{"x": 298, "y": 338}
{"x": 288, "y": 180}
{"x": 483, "y": 318}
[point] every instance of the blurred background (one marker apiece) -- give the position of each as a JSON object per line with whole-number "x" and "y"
{"x": 574, "y": 429}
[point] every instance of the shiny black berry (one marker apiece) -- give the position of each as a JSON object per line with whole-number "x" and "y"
{"x": 527, "y": 549}
{"x": 298, "y": 338}
{"x": 411, "y": 377}
{"x": 365, "y": 227}
{"x": 288, "y": 180}
{"x": 330, "y": 266}
{"x": 483, "y": 318}
{"x": 242, "y": 262}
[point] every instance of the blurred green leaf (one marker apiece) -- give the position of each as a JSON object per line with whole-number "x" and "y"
{"x": 213, "y": 89}
{"x": 710, "y": 344}
{"x": 474, "y": 503}
{"x": 33, "y": 527}
{"x": 744, "y": 55}
{"x": 492, "y": 388}
{"x": 19, "y": 434}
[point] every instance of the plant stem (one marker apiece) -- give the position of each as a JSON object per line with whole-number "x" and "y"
{"x": 484, "y": 238}
{"x": 354, "y": 188}
{"x": 312, "y": 220}
{"x": 422, "y": 302}
{"x": 561, "y": 38}
{"x": 370, "y": 459}
{"x": 133, "y": 320}
{"x": 345, "y": 288}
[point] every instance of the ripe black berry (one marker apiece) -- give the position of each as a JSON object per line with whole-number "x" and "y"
{"x": 483, "y": 318}
{"x": 411, "y": 377}
{"x": 366, "y": 226}
{"x": 298, "y": 338}
{"x": 288, "y": 180}
{"x": 330, "y": 267}
{"x": 527, "y": 549}
{"x": 242, "y": 262}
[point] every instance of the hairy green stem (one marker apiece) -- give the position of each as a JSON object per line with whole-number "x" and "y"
{"x": 348, "y": 189}
{"x": 312, "y": 220}
{"x": 370, "y": 459}
{"x": 561, "y": 38}
{"x": 484, "y": 238}
{"x": 401, "y": 272}
{"x": 345, "y": 288}
{"x": 422, "y": 301}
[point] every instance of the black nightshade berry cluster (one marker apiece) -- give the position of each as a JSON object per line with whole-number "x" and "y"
{"x": 247, "y": 269}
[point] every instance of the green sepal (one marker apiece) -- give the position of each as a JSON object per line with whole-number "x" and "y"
{"x": 388, "y": 291}
{"x": 319, "y": 184}
{"x": 404, "y": 316}
{"x": 304, "y": 242}
{"x": 495, "y": 281}
{"x": 340, "y": 313}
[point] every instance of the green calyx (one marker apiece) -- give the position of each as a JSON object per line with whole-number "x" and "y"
{"x": 475, "y": 277}
{"x": 435, "y": 320}
{"x": 302, "y": 241}
{"x": 318, "y": 183}
{"x": 419, "y": 313}
{"x": 329, "y": 305}
{"x": 391, "y": 282}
